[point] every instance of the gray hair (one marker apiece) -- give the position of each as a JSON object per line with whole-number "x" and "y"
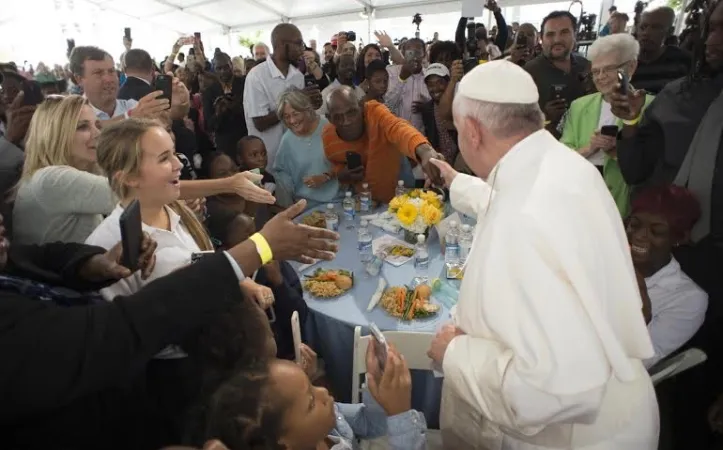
{"x": 298, "y": 101}
{"x": 504, "y": 120}
{"x": 624, "y": 45}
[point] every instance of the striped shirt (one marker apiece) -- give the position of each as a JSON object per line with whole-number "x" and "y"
{"x": 652, "y": 76}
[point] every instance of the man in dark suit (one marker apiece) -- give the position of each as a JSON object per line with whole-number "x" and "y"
{"x": 140, "y": 73}
{"x": 72, "y": 370}
{"x": 223, "y": 106}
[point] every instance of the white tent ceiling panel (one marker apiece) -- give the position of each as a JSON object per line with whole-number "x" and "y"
{"x": 140, "y": 8}
{"x": 232, "y": 12}
{"x": 180, "y": 20}
{"x": 311, "y": 8}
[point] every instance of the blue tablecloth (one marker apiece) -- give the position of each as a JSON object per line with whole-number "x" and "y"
{"x": 331, "y": 323}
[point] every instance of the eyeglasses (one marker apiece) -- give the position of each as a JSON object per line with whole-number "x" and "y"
{"x": 296, "y": 42}
{"x": 607, "y": 70}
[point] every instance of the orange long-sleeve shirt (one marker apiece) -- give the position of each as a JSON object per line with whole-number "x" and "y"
{"x": 386, "y": 136}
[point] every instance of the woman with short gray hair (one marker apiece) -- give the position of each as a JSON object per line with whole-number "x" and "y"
{"x": 301, "y": 169}
{"x": 589, "y": 126}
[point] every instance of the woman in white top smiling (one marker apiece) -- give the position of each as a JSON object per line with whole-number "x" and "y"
{"x": 139, "y": 157}
{"x": 62, "y": 195}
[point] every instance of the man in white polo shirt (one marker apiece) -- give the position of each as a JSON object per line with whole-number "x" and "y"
{"x": 96, "y": 74}
{"x": 267, "y": 81}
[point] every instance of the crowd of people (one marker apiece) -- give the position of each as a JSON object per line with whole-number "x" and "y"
{"x": 226, "y": 155}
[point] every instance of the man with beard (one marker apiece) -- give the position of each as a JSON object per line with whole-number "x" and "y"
{"x": 267, "y": 81}
{"x": 223, "y": 108}
{"x": 677, "y": 139}
{"x": 658, "y": 64}
{"x": 378, "y": 137}
{"x": 95, "y": 72}
{"x": 345, "y": 69}
{"x": 558, "y": 73}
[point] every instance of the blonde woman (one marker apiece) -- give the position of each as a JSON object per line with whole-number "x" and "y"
{"x": 140, "y": 162}
{"x": 62, "y": 195}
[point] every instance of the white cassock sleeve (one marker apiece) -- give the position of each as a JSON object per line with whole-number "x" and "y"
{"x": 470, "y": 195}
{"x": 546, "y": 364}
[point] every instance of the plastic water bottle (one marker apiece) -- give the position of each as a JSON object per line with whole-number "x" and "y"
{"x": 365, "y": 242}
{"x": 365, "y": 199}
{"x": 421, "y": 258}
{"x": 332, "y": 218}
{"x": 349, "y": 210}
{"x": 465, "y": 243}
{"x": 451, "y": 245}
{"x": 400, "y": 190}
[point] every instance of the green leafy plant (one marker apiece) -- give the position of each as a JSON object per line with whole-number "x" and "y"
{"x": 247, "y": 40}
{"x": 675, "y": 4}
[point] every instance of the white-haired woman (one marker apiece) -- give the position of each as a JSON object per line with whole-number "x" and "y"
{"x": 301, "y": 169}
{"x": 582, "y": 125}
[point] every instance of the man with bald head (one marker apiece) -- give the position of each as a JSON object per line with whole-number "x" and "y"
{"x": 379, "y": 137}
{"x": 546, "y": 346}
{"x": 267, "y": 81}
{"x": 658, "y": 64}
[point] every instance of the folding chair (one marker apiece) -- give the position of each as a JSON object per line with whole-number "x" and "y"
{"x": 413, "y": 346}
{"x": 681, "y": 362}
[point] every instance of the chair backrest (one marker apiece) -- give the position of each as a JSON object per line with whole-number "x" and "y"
{"x": 413, "y": 345}
{"x": 677, "y": 364}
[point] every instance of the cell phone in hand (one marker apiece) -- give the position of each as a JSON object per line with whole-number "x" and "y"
{"x": 131, "y": 235}
{"x": 197, "y": 256}
{"x": 296, "y": 333}
{"x": 164, "y": 83}
{"x": 197, "y": 35}
{"x": 624, "y": 82}
{"x": 310, "y": 81}
{"x": 32, "y": 93}
{"x": 186, "y": 40}
{"x": 127, "y": 33}
{"x": 353, "y": 160}
{"x": 609, "y": 130}
{"x": 521, "y": 41}
{"x": 557, "y": 91}
{"x": 382, "y": 347}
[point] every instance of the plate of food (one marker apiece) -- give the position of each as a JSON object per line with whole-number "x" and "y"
{"x": 328, "y": 283}
{"x": 408, "y": 304}
{"x": 315, "y": 219}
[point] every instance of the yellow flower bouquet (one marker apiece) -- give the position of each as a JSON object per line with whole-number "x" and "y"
{"x": 417, "y": 211}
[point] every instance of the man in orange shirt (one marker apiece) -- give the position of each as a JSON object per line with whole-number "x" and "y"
{"x": 378, "y": 136}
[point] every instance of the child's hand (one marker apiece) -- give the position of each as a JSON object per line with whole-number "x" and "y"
{"x": 309, "y": 361}
{"x": 393, "y": 389}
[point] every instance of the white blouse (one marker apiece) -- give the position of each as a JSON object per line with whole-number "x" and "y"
{"x": 174, "y": 251}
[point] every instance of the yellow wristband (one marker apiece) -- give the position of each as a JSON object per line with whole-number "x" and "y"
{"x": 262, "y": 247}
{"x": 634, "y": 121}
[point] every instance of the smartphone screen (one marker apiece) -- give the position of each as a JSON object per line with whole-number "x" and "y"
{"x": 32, "y": 93}
{"x": 623, "y": 81}
{"x": 381, "y": 347}
{"x": 127, "y": 33}
{"x": 197, "y": 256}
{"x": 131, "y": 235}
{"x": 296, "y": 332}
{"x": 609, "y": 130}
{"x": 164, "y": 83}
{"x": 353, "y": 160}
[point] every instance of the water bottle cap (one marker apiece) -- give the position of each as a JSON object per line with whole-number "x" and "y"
{"x": 365, "y": 185}
{"x": 453, "y": 223}
{"x": 400, "y": 183}
{"x": 420, "y": 239}
{"x": 348, "y": 194}
{"x": 466, "y": 227}
{"x": 329, "y": 206}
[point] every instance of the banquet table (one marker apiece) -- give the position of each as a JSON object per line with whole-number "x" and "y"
{"x": 330, "y": 324}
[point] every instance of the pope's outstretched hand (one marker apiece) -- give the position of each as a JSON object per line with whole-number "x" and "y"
{"x": 446, "y": 171}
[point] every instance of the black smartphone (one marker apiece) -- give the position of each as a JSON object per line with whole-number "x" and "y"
{"x": 127, "y": 33}
{"x": 32, "y": 93}
{"x": 131, "y": 235}
{"x": 197, "y": 35}
{"x": 353, "y": 160}
{"x": 557, "y": 91}
{"x": 624, "y": 82}
{"x": 609, "y": 130}
{"x": 310, "y": 81}
{"x": 197, "y": 256}
{"x": 164, "y": 83}
{"x": 521, "y": 41}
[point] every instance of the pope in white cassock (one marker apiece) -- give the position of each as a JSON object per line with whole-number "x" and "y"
{"x": 548, "y": 336}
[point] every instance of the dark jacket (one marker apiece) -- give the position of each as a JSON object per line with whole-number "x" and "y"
{"x": 430, "y": 126}
{"x": 134, "y": 89}
{"x": 11, "y": 167}
{"x": 70, "y": 375}
{"x": 230, "y": 127}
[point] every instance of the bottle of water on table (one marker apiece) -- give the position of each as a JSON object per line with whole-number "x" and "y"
{"x": 465, "y": 243}
{"x": 365, "y": 199}
{"x": 400, "y": 190}
{"x": 365, "y": 242}
{"x": 349, "y": 210}
{"x": 331, "y": 217}
{"x": 421, "y": 259}
{"x": 451, "y": 246}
